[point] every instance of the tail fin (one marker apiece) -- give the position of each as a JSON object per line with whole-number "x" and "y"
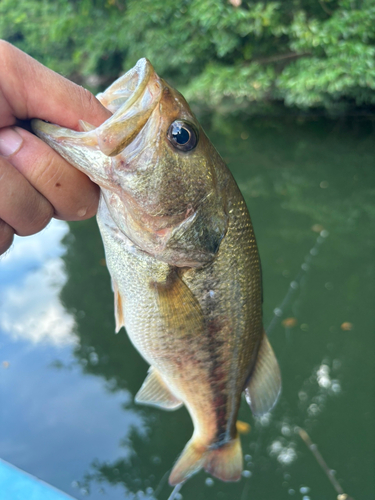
{"x": 224, "y": 462}
{"x": 190, "y": 461}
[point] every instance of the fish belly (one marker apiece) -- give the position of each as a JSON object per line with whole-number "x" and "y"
{"x": 177, "y": 349}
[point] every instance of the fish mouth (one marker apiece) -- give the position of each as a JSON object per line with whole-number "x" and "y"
{"x": 128, "y": 88}
{"x": 131, "y": 99}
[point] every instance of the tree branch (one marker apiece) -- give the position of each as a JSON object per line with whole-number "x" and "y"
{"x": 281, "y": 57}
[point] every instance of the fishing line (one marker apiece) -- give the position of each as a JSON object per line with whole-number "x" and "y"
{"x": 175, "y": 491}
{"x": 319, "y": 458}
{"x": 278, "y": 312}
{"x": 245, "y": 490}
{"x": 161, "y": 483}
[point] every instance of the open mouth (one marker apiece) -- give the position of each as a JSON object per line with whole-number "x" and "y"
{"x": 128, "y": 88}
{"x": 131, "y": 98}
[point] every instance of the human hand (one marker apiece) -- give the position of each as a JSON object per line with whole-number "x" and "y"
{"x": 36, "y": 183}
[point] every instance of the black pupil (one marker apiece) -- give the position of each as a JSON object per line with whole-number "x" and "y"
{"x": 180, "y": 134}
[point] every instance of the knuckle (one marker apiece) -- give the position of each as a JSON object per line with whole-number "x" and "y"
{"x": 38, "y": 216}
{"x": 41, "y": 217}
{"x": 6, "y": 237}
{"x": 87, "y": 98}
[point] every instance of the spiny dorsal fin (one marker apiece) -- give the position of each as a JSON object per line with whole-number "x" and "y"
{"x": 264, "y": 386}
{"x": 155, "y": 392}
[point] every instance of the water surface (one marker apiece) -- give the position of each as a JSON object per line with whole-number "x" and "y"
{"x": 67, "y": 382}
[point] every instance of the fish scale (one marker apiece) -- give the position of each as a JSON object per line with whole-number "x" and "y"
{"x": 181, "y": 251}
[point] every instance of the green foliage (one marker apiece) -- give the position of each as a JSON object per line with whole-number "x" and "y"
{"x": 307, "y": 53}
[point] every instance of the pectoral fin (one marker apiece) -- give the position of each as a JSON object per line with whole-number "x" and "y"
{"x": 179, "y": 307}
{"x": 264, "y": 386}
{"x": 155, "y": 392}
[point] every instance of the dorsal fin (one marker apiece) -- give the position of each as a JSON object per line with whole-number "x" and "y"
{"x": 264, "y": 385}
{"x": 155, "y": 392}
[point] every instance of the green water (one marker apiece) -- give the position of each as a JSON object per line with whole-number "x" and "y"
{"x": 67, "y": 381}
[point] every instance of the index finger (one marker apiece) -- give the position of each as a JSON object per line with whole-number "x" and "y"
{"x": 30, "y": 90}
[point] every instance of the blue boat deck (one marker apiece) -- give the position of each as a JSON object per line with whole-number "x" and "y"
{"x": 15, "y": 484}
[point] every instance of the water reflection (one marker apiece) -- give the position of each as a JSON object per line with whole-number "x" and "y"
{"x": 32, "y": 276}
{"x": 298, "y": 181}
{"x": 54, "y": 422}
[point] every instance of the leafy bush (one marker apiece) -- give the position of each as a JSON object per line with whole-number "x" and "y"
{"x": 306, "y": 53}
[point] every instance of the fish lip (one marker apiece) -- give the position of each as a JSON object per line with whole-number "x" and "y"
{"x": 133, "y": 97}
{"x": 118, "y": 97}
{"x": 146, "y": 88}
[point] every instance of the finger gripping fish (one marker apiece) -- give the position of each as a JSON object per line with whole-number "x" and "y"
{"x": 184, "y": 263}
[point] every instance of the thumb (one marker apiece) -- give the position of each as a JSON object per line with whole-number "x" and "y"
{"x": 70, "y": 192}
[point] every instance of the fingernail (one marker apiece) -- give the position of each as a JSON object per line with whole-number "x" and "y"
{"x": 10, "y": 141}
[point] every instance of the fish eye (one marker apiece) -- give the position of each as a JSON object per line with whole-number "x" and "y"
{"x": 182, "y": 135}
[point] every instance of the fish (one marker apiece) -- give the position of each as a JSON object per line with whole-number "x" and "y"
{"x": 183, "y": 260}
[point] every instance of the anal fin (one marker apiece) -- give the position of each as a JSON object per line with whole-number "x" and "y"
{"x": 155, "y": 392}
{"x": 264, "y": 385}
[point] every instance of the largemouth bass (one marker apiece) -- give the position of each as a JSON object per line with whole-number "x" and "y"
{"x": 184, "y": 263}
